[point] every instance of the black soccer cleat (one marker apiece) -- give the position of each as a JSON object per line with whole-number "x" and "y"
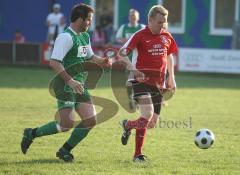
{"x": 126, "y": 132}
{"x": 26, "y": 140}
{"x": 64, "y": 155}
{"x": 140, "y": 158}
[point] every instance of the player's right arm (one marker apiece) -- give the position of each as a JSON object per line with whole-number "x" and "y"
{"x": 124, "y": 53}
{"x": 62, "y": 45}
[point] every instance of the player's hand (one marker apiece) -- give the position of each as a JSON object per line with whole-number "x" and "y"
{"x": 76, "y": 86}
{"x": 107, "y": 62}
{"x": 171, "y": 84}
{"x": 140, "y": 77}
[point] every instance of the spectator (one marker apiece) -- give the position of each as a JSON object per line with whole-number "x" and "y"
{"x": 19, "y": 37}
{"x": 55, "y": 22}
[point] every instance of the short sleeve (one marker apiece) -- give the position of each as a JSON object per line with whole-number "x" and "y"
{"x": 132, "y": 42}
{"x": 62, "y": 45}
{"x": 173, "y": 47}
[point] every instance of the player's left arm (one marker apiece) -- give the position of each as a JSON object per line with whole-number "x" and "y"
{"x": 103, "y": 61}
{"x": 170, "y": 68}
{"x": 170, "y": 62}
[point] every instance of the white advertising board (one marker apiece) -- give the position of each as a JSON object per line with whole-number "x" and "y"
{"x": 209, "y": 60}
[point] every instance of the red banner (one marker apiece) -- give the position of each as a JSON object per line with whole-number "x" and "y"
{"x": 46, "y": 53}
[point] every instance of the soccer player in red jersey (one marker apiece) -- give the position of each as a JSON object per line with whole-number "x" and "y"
{"x": 152, "y": 49}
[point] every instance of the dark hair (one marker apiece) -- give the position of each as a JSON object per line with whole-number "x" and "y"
{"x": 81, "y": 11}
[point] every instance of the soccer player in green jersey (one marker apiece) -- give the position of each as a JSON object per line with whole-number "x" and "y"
{"x": 70, "y": 48}
{"x": 127, "y": 30}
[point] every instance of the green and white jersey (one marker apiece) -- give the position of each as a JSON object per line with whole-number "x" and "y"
{"x": 71, "y": 48}
{"x": 126, "y": 30}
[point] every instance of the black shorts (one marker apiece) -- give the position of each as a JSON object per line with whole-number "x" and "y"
{"x": 140, "y": 89}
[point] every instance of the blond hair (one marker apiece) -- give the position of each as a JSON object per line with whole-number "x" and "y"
{"x": 157, "y": 9}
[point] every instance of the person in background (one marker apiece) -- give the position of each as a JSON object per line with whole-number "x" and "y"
{"x": 55, "y": 22}
{"x": 19, "y": 37}
{"x": 127, "y": 30}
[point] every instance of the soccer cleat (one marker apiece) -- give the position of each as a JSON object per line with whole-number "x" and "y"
{"x": 26, "y": 140}
{"x": 126, "y": 132}
{"x": 65, "y": 155}
{"x": 140, "y": 158}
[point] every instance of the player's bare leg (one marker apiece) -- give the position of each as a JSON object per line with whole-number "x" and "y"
{"x": 88, "y": 115}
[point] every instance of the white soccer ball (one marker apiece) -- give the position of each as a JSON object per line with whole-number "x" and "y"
{"x": 204, "y": 138}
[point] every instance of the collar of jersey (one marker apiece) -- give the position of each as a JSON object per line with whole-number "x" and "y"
{"x": 70, "y": 28}
{"x": 129, "y": 25}
{"x": 149, "y": 31}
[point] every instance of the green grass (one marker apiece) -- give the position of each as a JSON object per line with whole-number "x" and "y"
{"x": 211, "y": 100}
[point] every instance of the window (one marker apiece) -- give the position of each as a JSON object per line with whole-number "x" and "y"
{"x": 176, "y": 17}
{"x": 224, "y": 13}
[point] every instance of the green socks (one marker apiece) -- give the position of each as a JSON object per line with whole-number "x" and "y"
{"x": 78, "y": 134}
{"x": 47, "y": 129}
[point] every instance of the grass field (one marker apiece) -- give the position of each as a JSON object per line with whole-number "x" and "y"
{"x": 210, "y": 100}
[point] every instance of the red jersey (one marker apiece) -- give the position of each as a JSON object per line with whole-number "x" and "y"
{"x": 149, "y": 53}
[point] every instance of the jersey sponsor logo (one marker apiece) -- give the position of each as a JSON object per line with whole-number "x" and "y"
{"x": 69, "y": 103}
{"x": 157, "y": 50}
{"x": 156, "y": 46}
{"x": 82, "y": 51}
{"x": 164, "y": 40}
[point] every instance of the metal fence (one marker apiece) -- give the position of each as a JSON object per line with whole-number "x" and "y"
{"x": 25, "y": 54}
